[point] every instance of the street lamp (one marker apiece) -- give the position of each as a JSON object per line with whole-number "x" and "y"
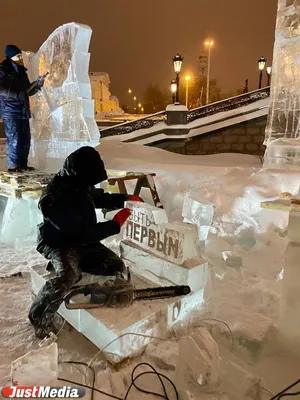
{"x": 177, "y": 61}
{"x": 129, "y": 91}
{"x": 173, "y": 90}
{"x": 187, "y": 78}
{"x": 261, "y": 67}
{"x": 269, "y": 72}
{"x": 209, "y": 44}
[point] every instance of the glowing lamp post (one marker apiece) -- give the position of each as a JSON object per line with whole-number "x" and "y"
{"x": 209, "y": 44}
{"x": 261, "y": 67}
{"x": 187, "y": 79}
{"x": 269, "y": 72}
{"x": 173, "y": 90}
{"x": 177, "y": 61}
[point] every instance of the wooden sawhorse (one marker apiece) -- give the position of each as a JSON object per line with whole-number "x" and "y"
{"x": 143, "y": 181}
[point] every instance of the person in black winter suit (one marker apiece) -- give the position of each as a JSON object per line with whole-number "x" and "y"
{"x": 15, "y": 90}
{"x": 70, "y": 235}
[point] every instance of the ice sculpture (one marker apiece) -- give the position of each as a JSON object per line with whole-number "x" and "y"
{"x": 63, "y": 112}
{"x": 283, "y": 129}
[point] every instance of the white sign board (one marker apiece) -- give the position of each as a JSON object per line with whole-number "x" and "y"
{"x": 173, "y": 242}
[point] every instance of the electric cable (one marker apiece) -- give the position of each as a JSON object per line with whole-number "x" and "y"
{"x": 278, "y": 396}
{"x": 288, "y": 395}
{"x": 90, "y": 387}
{"x": 133, "y": 379}
{"x": 267, "y": 391}
{"x": 120, "y": 337}
{"x": 159, "y": 338}
{"x": 62, "y": 326}
{"x": 284, "y": 393}
{"x": 132, "y": 376}
{"x": 91, "y": 369}
{"x": 228, "y": 327}
{"x": 133, "y": 382}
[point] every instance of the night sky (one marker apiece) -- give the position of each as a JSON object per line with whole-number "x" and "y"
{"x": 134, "y": 40}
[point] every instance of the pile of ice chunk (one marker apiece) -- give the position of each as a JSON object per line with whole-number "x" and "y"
{"x": 63, "y": 111}
{"x": 199, "y": 213}
{"x": 38, "y": 367}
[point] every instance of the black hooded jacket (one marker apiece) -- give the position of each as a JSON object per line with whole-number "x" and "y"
{"x": 69, "y": 201}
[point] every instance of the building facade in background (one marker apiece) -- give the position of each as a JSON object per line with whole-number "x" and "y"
{"x": 104, "y": 101}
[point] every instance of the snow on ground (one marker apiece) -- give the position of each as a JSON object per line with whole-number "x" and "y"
{"x": 247, "y": 298}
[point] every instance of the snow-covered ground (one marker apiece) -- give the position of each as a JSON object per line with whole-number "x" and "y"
{"x": 247, "y": 298}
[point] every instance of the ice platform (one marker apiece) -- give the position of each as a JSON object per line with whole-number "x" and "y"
{"x": 193, "y": 273}
{"x": 29, "y": 185}
{"x": 103, "y": 325}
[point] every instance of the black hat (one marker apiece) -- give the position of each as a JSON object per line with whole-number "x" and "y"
{"x": 11, "y": 50}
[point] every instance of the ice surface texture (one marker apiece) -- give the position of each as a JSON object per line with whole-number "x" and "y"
{"x": 38, "y": 367}
{"x": 63, "y": 112}
{"x": 20, "y": 220}
{"x": 283, "y": 122}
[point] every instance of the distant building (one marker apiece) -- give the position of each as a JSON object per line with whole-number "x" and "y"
{"x": 104, "y": 101}
{"x": 203, "y": 62}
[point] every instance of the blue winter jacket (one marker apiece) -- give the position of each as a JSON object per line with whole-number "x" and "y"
{"x": 14, "y": 91}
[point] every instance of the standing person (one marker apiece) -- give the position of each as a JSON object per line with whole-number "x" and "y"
{"x": 15, "y": 90}
{"x": 70, "y": 235}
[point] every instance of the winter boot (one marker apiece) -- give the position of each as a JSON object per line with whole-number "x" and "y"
{"x": 27, "y": 168}
{"x": 15, "y": 169}
{"x": 43, "y": 328}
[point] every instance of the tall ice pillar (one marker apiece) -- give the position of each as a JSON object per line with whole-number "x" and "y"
{"x": 283, "y": 127}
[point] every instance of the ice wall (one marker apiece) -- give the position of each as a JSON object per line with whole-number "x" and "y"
{"x": 283, "y": 128}
{"x": 63, "y": 112}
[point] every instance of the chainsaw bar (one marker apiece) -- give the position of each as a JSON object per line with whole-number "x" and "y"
{"x": 160, "y": 292}
{"x": 119, "y": 293}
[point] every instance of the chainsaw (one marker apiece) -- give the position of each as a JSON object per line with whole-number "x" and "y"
{"x": 119, "y": 293}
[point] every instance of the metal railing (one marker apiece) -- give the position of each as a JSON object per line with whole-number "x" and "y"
{"x": 130, "y": 126}
{"x": 200, "y": 112}
{"x": 229, "y": 104}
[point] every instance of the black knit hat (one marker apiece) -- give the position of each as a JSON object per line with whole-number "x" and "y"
{"x": 11, "y": 50}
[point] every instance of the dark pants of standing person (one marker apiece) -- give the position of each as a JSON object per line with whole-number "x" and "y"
{"x": 68, "y": 264}
{"x": 17, "y": 132}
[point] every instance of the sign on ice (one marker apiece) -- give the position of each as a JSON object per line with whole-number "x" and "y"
{"x": 26, "y": 392}
{"x": 148, "y": 227}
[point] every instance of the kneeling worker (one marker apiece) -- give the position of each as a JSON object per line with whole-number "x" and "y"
{"x": 70, "y": 235}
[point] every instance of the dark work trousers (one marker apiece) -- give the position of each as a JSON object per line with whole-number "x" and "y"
{"x": 17, "y": 132}
{"x": 68, "y": 264}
